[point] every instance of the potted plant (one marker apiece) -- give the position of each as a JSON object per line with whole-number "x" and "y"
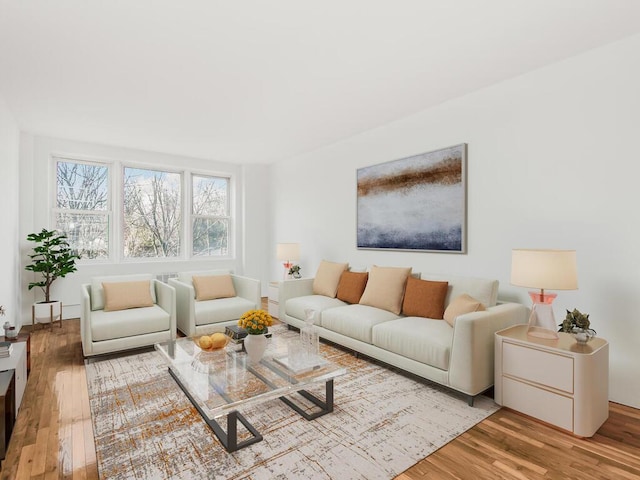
{"x": 577, "y": 323}
{"x": 256, "y": 323}
{"x": 52, "y": 258}
{"x": 294, "y": 271}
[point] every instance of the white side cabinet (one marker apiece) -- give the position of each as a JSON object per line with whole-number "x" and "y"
{"x": 273, "y": 306}
{"x": 558, "y": 381}
{"x": 17, "y": 361}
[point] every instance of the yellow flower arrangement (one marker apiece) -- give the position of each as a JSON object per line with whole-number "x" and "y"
{"x": 255, "y": 322}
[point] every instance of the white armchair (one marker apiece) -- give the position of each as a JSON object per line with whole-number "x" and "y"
{"x": 198, "y": 317}
{"x": 118, "y": 323}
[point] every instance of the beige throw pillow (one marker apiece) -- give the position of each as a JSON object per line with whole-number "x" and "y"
{"x": 461, "y": 305}
{"x": 125, "y": 295}
{"x": 327, "y": 278}
{"x": 213, "y": 286}
{"x": 385, "y": 288}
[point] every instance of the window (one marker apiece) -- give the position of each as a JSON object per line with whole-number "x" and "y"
{"x": 163, "y": 214}
{"x": 152, "y": 213}
{"x": 210, "y": 215}
{"x": 82, "y": 206}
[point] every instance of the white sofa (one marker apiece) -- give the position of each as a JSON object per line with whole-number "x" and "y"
{"x": 201, "y": 317}
{"x": 111, "y": 331}
{"x": 459, "y": 357}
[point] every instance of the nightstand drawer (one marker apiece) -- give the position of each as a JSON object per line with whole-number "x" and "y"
{"x": 537, "y": 366}
{"x": 542, "y": 404}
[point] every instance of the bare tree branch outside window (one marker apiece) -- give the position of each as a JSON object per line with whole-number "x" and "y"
{"x": 82, "y": 204}
{"x": 210, "y": 214}
{"x": 152, "y": 218}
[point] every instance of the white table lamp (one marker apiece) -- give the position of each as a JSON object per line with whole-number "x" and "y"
{"x": 286, "y": 252}
{"x": 544, "y": 269}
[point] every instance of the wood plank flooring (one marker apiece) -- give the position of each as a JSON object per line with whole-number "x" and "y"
{"x": 53, "y": 436}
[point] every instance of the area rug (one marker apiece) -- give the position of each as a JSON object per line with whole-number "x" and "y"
{"x": 383, "y": 423}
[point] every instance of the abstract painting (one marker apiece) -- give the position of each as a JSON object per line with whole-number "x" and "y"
{"x": 415, "y": 203}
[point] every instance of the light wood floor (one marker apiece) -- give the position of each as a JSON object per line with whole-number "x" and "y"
{"x": 53, "y": 436}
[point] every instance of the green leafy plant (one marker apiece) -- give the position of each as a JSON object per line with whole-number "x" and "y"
{"x": 52, "y": 258}
{"x": 575, "y": 319}
{"x": 294, "y": 270}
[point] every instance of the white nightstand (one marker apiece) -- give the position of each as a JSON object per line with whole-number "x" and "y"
{"x": 274, "y": 307}
{"x": 557, "y": 381}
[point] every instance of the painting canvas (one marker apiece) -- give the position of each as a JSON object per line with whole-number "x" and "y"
{"x": 415, "y": 203}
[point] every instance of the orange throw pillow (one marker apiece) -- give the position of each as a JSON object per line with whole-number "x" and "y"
{"x": 351, "y": 286}
{"x": 424, "y": 298}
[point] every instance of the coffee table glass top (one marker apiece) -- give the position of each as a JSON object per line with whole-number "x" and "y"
{"x": 224, "y": 380}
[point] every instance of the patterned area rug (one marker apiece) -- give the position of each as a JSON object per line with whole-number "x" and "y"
{"x": 383, "y": 423}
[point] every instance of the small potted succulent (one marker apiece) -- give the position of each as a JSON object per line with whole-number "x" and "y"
{"x": 294, "y": 271}
{"x": 577, "y": 323}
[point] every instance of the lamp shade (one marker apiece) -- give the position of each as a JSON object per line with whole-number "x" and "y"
{"x": 288, "y": 251}
{"x": 544, "y": 269}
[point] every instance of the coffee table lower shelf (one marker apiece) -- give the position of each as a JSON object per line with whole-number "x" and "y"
{"x": 229, "y": 439}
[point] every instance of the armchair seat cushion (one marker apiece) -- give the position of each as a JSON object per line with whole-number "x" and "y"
{"x": 128, "y": 323}
{"x": 355, "y": 321}
{"x": 296, "y": 306}
{"x": 421, "y": 339}
{"x": 221, "y": 310}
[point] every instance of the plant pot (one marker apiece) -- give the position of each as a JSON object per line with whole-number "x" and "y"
{"x": 255, "y": 345}
{"x": 46, "y": 312}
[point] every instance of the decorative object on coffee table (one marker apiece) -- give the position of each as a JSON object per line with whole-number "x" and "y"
{"x": 256, "y": 323}
{"x": 577, "y": 324}
{"x": 309, "y": 335}
{"x": 52, "y": 258}
{"x": 543, "y": 269}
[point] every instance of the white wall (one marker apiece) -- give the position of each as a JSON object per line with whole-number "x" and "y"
{"x": 9, "y": 262}
{"x": 551, "y": 164}
{"x": 256, "y": 217}
{"x": 36, "y": 197}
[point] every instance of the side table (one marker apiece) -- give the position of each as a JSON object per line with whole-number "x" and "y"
{"x": 22, "y": 337}
{"x": 17, "y": 361}
{"x": 560, "y": 382}
{"x": 273, "y": 305}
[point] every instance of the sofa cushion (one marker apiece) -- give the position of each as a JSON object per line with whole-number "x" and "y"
{"x": 351, "y": 286}
{"x": 125, "y": 295}
{"x": 482, "y": 289}
{"x": 295, "y": 307}
{"x": 423, "y": 340}
{"x": 424, "y": 298}
{"x": 327, "y": 278}
{"x": 97, "y": 291}
{"x": 128, "y": 323}
{"x": 385, "y": 288}
{"x": 211, "y": 287}
{"x": 221, "y": 310}
{"x": 187, "y": 277}
{"x": 459, "y": 306}
{"x": 355, "y": 321}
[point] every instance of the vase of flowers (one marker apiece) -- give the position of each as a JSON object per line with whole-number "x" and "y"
{"x": 256, "y": 323}
{"x": 577, "y": 324}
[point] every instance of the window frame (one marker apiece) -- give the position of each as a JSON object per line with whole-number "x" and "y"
{"x": 115, "y": 210}
{"x": 108, "y": 212}
{"x": 228, "y": 217}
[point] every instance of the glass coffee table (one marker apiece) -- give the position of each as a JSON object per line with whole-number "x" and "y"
{"x": 220, "y": 382}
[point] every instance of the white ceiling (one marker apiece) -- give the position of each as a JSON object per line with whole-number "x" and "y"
{"x": 254, "y": 81}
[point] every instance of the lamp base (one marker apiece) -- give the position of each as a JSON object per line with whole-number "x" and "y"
{"x": 542, "y": 322}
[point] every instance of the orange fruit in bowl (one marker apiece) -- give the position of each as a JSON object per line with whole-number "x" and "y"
{"x": 205, "y": 342}
{"x": 218, "y": 340}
